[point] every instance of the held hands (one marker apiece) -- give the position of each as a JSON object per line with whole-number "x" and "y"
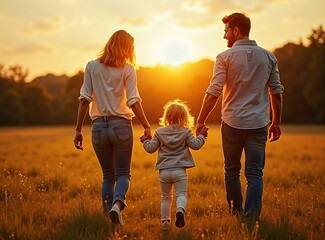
{"x": 204, "y": 131}
{"x": 78, "y": 140}
{"x": 201, "y": 129}
{"x": 274, "y": 132}
{"x": 142, "y": 138}
{"x": 146, "y": 135}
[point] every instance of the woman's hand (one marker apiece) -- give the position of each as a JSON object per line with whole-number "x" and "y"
{"x": 78, "y": 140}
{"x": 146, "y": 134}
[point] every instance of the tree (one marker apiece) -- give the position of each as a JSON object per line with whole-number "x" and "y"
{"x": 17, "y": 73}
{"x": 317, "y": 37}
{"x": 11, "y": 108}
{"x": 314, "y": 91}
{"x": 36, "y": 102}
{"x": 61, "y": 112}
{"x": 72, "y": 91}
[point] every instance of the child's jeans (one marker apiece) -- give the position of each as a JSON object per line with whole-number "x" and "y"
{"x": 168, "y": 178}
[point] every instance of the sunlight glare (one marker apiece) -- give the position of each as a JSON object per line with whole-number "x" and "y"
{"x": 174, "y": 51}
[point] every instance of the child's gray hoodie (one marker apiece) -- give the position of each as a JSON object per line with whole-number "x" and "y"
{"x": 173, "y": 143}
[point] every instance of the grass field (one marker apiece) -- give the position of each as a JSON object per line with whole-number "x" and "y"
{"x": 49, "y": 190}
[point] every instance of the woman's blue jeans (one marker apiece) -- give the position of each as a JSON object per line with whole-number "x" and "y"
{"x": 112, "y": 139}
{"x": 253, "y": 142}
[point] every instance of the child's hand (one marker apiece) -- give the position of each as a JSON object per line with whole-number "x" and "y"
{"x": 204, "y": 131}
{"x": 143, "y": 138}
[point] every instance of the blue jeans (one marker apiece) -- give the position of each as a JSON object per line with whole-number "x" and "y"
{"x": 253, "y": 142}
{"x": 112, "y": 139}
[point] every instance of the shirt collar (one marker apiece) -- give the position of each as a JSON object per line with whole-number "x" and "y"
{"x": 245, "y": 42}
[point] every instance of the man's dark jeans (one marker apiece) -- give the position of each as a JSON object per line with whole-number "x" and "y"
{"x": 253, "y": 142}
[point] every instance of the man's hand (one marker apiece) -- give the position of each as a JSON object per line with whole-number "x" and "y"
{"x": 199, "y": 127}
{"x": 78, "y": 140}
{"x": 274, "y": 132}
{"x": 204, "y": 131}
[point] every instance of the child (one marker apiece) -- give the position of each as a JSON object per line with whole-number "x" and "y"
{"x": 173, "y": 141}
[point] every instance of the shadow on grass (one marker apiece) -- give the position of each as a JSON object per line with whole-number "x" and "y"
{"x": 282, "y": 229}
{"x": 86, "y": 224}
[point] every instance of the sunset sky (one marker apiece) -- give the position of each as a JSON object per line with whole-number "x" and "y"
{"x": 60, "y": 36}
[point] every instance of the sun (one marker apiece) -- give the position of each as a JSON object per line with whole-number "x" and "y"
{"x": 173, "y": 51}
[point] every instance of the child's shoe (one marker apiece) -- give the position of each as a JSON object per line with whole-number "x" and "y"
{"x": 180, "y": 217}
{"x": 165, "y": 225}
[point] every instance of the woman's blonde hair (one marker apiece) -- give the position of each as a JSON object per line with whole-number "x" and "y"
{"x": 177, "y": 112}
{"x": 119, "y": 50}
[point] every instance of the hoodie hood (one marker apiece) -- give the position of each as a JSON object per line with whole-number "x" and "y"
{"x": 172, "y": 136}
{"x": 173, "y": 144}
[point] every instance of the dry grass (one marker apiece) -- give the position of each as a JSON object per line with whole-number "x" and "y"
{"x": 49, "y": 190}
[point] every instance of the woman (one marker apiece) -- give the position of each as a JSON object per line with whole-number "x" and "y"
{"x": 110, "y": 87}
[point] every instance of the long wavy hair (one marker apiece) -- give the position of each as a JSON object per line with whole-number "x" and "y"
{"x": 119, "y": 50}
{"x": 177, "y": 112}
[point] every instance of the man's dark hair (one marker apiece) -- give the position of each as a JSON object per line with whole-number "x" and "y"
{"x": 239, "y": 20}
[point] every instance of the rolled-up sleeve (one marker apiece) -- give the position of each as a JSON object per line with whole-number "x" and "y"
{"x": 219, "y": 77}
{"x": 86, "y": 89}
{"x": 275, "y": 86}
{"x": 132, "y": 93}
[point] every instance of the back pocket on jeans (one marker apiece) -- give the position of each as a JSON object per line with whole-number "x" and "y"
{"x": 96, "y": 135}
{"x": 122, "y": 132}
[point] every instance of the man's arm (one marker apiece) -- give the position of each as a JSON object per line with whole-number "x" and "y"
{"x": 208, "y": 104}
{"x": 276, "y": 107}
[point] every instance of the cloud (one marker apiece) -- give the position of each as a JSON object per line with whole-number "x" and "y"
{"x": 163, "y": 16}
{"x": 28, "y": 49}
{"x": 194, "y": 24}
{"x": 195, "y": 14}
{"x": 194, "y": 6}
{"x": 91, "y": 48}
{"x": 275, "y": 1}
{"x": 293, "y": 20}
{"x": 135, "y": 22}
{"x": 214, "y": 6}
{"x": 44, "y": 26}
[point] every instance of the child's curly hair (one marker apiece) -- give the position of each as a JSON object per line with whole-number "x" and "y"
{"x": 177, "y": 112}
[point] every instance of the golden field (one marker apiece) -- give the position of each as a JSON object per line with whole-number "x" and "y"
{"x": 50, "y": 190}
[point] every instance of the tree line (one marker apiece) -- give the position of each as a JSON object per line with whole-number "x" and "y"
{"x": 53, "y": 100}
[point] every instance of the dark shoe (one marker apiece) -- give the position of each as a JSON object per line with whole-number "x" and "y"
{"x": 180, "y": 218}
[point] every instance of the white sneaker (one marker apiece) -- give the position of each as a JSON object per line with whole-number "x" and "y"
{"x": 180, "y": 218}
{"x": 116, "y": 215}
{"x": 165, "y": 225}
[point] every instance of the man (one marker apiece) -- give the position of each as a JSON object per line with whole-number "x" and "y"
{"x": 247, "y": 76}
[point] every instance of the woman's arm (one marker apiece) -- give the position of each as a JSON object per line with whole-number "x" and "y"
{"x": 139, "y": 113}
{"x": 82, "y": 110}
